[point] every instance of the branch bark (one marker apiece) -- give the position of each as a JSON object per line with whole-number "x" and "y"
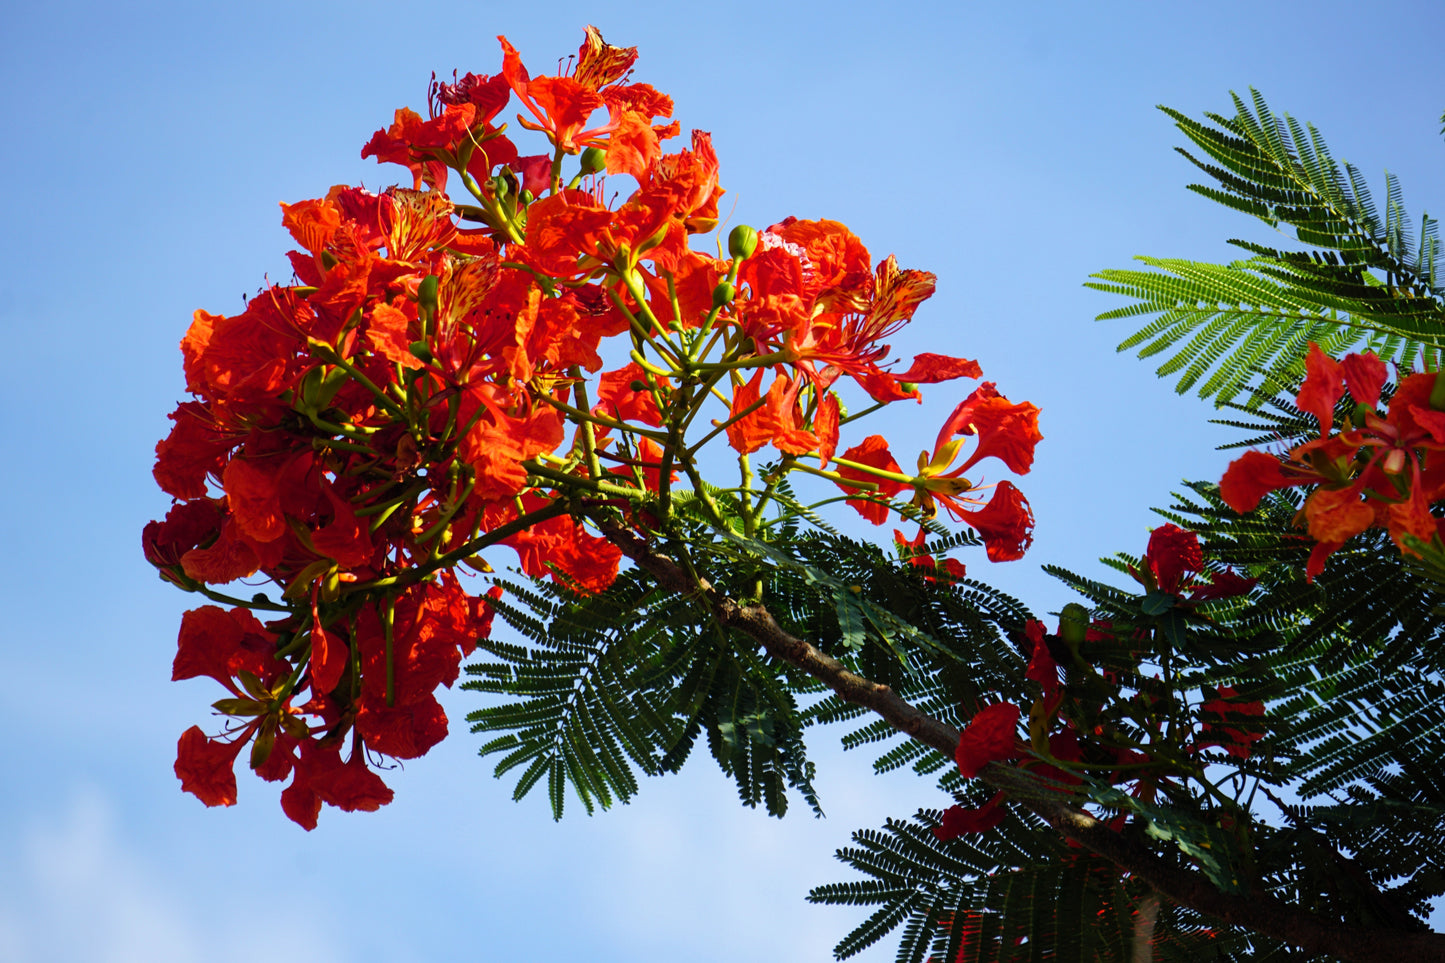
{"x": 1258, "y": 912}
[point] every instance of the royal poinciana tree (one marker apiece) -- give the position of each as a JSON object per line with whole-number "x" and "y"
{"x": 1230, "y": 757}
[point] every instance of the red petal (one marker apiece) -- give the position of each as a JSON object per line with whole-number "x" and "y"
{"x": 1322, "y": 388}
{"x": 932, "y": 368}
{"x": 1006, "y": 524}
{"x": 1006, "y": 431}
{"x": 1250, "y": 477}
{"x": 1172, "y": 552}
{"x": 1364, "y": 375}
{"x": 957, "y": 820}
{"x": 1042, "y": 667}
{"x": 988, "y": 738}
{"x": 206, "y": 767}
{"x": 825, "y": 427}
{"x": 874, "y": 452}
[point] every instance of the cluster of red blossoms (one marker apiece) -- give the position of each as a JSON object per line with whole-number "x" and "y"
{"x": 1380, "y": 470}
{"x": 435, "y": 383}
{"x": 1058, "y": 747}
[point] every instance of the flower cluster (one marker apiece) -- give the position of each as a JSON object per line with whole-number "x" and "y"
{"x": 1142, "y": 738}
{"x": 443, "y": 377}
{"x": 1381, "y": 469}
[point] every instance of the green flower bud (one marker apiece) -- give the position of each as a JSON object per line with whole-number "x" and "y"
{"x": 594, "y": 159}
{"x": 742, "y": 242}
{"x": 265, "y": 742}
{"x": 527, "y": 196}
{"x": 310, "y": 390}
{"x": 330, "y": 385}
{"x": 1437, "y": 391}
{"x": 239, "y": 707}
{"x": 504, "y": 184}
{"x": 1073, "y": 625}
{"x": 638, "y": 386}
{"x": 426, "y": 293}
{"x": 723, "y": 294}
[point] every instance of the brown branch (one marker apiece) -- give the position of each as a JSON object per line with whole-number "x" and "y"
{"x": 1146, "y": 916}
{"x": 1258, "y": 912}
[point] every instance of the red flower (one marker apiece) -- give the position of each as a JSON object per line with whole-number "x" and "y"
{"x": 947, "y": 569}
{"x": 1006, "y": 431}
{"x": 217, "y": 643}
{"x": 561, "y": 543}
{"x": 990, "y": 737}
{"x": 1391, "y": 487}
{"x": 1228, "y": 707}
{"x": 1042, "y": 667}
{"x": 560, "y": 105}
{"x": 186, "y": 525}
{"x": 872, "y": 452}
{"x": 1172, "y": 552}
{"x": 320, "y": 776}
{"x": 1006, "y": 524}
{"x": 957, "y": 820}
{"x": 206, "y": 767}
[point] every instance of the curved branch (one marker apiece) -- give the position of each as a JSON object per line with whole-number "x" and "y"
{"x": 1259, "y": 912}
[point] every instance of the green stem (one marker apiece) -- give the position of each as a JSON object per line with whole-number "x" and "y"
{"x": 712, "y": 315}
{"x": 579, "y": 392}
{"x": 700, "y": 488}
{"x": 662, "y": 344}
{"x": 572, "y": 481}
{"x": 708, "y": 387}
{"x": 866, "y": 411}
{"x": 230, "y": 600}
{"x": 448, "y": 514}
{"x": 594, "y": 418}
{"x": 727, "y": 424}
{"x": 870, "y": 470}
{"x": 835, "y": 478}
{"x": 753, "y": 361}
{"x": 413, "y": 575}
{"x": 354, "y": 432}
{"x": 745, "y": 471}
{"x": 331, "y": 356}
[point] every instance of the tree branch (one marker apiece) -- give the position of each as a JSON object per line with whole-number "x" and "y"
{"x": 1258, "y": 912}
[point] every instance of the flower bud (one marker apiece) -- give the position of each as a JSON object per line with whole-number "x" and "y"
{"x": 742, "y": 242}
{"x": 310, "y": 390}
{"x": 594, "y": 159}
{"x": 1073, "y": 626}
{"x": 504, "y": 184}
{"x": 265, "y": 742}
{"x": 638, "y": 386}
{"x": 723, "y": 294}
{"x": 426, "y": 293}
{"x": 1437, "y": 392}
{"x": 239, "y": 707}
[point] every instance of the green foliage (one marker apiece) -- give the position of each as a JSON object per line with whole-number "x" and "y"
{"x": 1366, "y": 280}
{"x": 624, "y": 682}
{"x": 1014, "y": 893}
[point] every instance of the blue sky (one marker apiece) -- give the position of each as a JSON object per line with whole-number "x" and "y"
{"x": 1010, "y": 149}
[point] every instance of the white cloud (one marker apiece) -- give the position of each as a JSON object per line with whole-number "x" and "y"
{"x": 75, "y": 891}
